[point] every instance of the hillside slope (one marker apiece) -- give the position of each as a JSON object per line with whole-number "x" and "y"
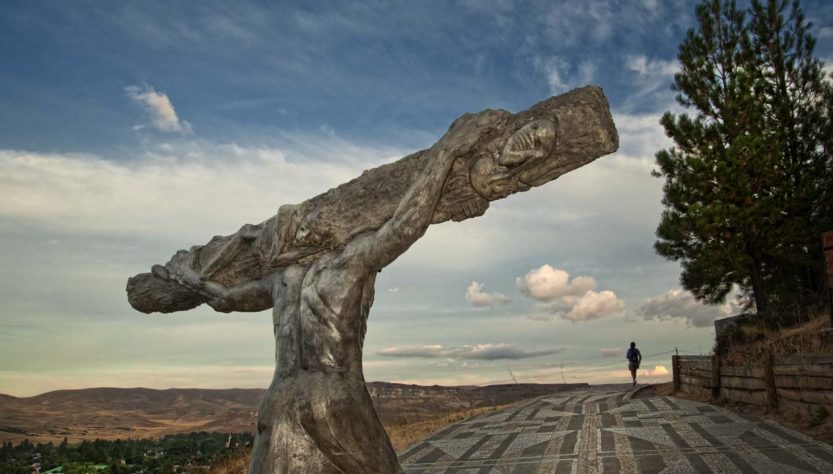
{"x": 112, "y": 413}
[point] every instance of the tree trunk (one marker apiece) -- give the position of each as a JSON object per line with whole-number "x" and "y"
{"x": 761, "y": 303}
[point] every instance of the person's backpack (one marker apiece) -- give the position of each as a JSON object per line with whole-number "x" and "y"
{"x": 633, "y": 355}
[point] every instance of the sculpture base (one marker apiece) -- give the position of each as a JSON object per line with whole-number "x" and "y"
{"x": 320, "y": 423}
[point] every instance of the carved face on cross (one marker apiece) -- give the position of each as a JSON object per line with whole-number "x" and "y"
{"x": 497, "y": 178}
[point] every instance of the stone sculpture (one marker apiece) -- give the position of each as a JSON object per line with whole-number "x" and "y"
{"x": 315, "y": 264}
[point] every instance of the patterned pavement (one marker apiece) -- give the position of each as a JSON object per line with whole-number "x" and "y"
{"x": 603, "y": 430}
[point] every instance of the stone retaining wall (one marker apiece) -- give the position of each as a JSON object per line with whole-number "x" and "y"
{"x": 801, "y": 384}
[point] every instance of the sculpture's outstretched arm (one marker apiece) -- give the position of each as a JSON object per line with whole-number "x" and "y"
{"x": 226, "y": 254}
{"x": 248, "y": 297}
{"x": 497, "y": 154}
{"x": 411, "y": 218}
{"x": 416, "y": 209}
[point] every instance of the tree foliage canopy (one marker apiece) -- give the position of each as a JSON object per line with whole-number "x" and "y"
{"x": 748, "y": 183}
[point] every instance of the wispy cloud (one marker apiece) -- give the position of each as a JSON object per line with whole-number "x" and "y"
{"x": 172, "y": 187}
{"x": 571, "y": 22}
{"x": 681, "y": 305}
{"x": 159, "y": 109}
{"x": 477, "y": 351}
{"x": 479, "y": 298}
{"x": 652, "y": 68}
{"x": 555, "y": 70}
{"x": 561, "y": 75}
{"x": 611, "y": 352}
{"x": 652, "y": 79}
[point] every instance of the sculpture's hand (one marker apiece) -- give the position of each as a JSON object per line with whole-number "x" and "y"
{"x": 248, "y": 296}
{"x": 474, "y": 207}
{"x": 180, "y": 269}
{"x": 464, "y": 132}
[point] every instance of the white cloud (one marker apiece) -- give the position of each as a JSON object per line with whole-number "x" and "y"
{"x": 478, "y": 298}
{"x": 574, "y": 300}
{"x": 547, "y": 283}
{"x": 640, "y": 135}
{"x": 477, "y": 351}
{"x": 657, "y": 371}
{"x": 611, "y": 352}
{"x": 393, "y": 290}
{"x": 681, "y": 304}
{"x": 593, "y": 305}
{"x": 162, "y": 114}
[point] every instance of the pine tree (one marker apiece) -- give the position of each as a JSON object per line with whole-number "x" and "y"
{"x": 703, "y": 193}
{"x": 745, "y": 184}
{"x": 63, "y": 448}
{"x": 6, "y": 451}
{"x": 791, "y": 81}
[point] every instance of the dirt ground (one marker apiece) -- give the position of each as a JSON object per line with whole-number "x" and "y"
{"x": 820, "y": 430}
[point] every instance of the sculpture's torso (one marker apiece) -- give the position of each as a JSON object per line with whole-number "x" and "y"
{"x": 335, "y": 300}
{"x": 320, "y": 314}
{"x": 328, "y": 302}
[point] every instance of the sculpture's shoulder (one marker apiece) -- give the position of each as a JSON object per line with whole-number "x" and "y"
{"x": 337, "y": 270}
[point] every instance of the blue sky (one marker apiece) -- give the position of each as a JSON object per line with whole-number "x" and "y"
{"x": 130, "y": 130}
{"x": 376, "y": 71}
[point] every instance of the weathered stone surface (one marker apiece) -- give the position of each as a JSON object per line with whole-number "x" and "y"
{"x": 509, "y": 153}
{"x": 315, "y": 264}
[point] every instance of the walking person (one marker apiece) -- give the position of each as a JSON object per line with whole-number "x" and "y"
{"x": 634, "y": 358}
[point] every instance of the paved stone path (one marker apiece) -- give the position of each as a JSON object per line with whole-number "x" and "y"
{"x": 602, "y": 430}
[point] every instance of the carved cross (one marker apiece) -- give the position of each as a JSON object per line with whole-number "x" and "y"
{"x": 315, "y": 264}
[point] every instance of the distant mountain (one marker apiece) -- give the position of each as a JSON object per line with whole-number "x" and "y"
{"x": 112, "y": 413}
